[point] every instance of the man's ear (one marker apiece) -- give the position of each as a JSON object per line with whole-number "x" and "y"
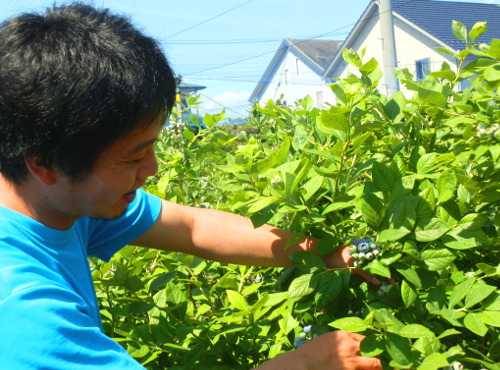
{"x": 44, "y": 174}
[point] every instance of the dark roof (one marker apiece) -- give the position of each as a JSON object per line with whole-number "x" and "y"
{"x": 435, "y": 17}
{"x": 188, "y": 88}
{"x": 320, "y": 52}
{"x": 316, "y": 54}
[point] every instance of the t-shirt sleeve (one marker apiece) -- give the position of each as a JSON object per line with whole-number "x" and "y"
{"x": 106, "y": 237}
{"x": 48, "y": 327}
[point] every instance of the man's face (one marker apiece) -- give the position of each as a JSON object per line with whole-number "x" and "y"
{"x": 115, "y": 177}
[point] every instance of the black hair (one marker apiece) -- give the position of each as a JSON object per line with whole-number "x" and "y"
{"x": 73, "y": 81}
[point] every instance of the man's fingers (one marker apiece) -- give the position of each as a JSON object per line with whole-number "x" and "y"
{"x": 357, "y": 337}
{"x": 368, "y": 277}
{"x": 368, "y": 363}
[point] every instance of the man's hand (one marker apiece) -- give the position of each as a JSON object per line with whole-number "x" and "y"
{"x": 335, "y": 350}
{"x": 341, "y": 258}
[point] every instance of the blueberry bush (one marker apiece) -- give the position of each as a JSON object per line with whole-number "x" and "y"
{"x": 412, "y": 184}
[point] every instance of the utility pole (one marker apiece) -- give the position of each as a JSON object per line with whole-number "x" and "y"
{"x": 390, "y": 60}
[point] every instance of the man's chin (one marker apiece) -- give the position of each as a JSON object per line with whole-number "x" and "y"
{"x": 110, "y": 217}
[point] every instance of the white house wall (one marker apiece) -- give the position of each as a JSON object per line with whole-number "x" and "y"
{"x": 295, "y": 80}
{"x": 411, "y": 46}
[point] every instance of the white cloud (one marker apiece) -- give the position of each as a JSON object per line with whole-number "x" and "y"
{"x": 236, "y": 104}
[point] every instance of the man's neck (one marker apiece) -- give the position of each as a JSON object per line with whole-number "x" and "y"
{"x": 30, "y": 200}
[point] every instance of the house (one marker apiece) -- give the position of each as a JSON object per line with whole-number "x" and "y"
{"x": 420, "y": 27}
{"x": 406, "y": 37}
{"x": 296, "y": 70}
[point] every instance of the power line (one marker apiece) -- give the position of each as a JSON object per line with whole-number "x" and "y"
{"x": 329, "y": 33}
{"x": 209, "y": 19}
{"x": 267, "y": 52}
{"x": 222, "y": 105}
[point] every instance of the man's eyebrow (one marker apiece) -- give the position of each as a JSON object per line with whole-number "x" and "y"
{"x": 142, "y": 145}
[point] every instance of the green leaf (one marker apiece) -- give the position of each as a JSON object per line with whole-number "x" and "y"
{"x": 394, "y": 106}
{"x": 479, "y": 292}
{"x": 460, "y": 291}
{"x": 408, "y": 294}
{"x": 405, "y": 214}
{"x": 312, "y": 186}
{"x": 263, "y": 165}
{"x": 477, "y": 30}
{"x": 430, "y": 230}
{"x": 398, "y": 349}
{"x": 446, "y": 185}
{"x": 415, "y": 331}
{"x": 303, "y": 285}
{"x": 237, "y": 300}
{"x": 282, "y": 153}
{"x": 432, "y": 96}
{"x": 472, "y": 222}
{"x": 350, "y": 324}
{"x": 434, "y": 361}
{"x": 389, "y": 235}
{"x": 329, "y": 288}
{"x": 427, "y": 203}
{"x": 487, "y": 269}
{"x": 494, "y": 49}
{"x": 307, "y": 262}
{"x": 351, "y": 57}
{"x": 491, "y": 318}
{"x": 383, "y": 176}
{"x": 459, "y": 30}
{"x": 369, "y": 66}
{"x": 445, "y": 51}
{"x": 174, "y": 294}
{"x": 426, "y": 163}
{"x": 372, "y": 210}
{"x": 474, "y": 322}
{"x": 261, "y": 203}
{"x": 449, "y": 332}
{"x": 464, "y": 239}
{"x": 376, "y": 267}
{"x": 333, "y": 124}
{"x": 372, "y": 345}
{"x": 327, "y": 244}
{"x": 409, "y": 274}
{"x": 337, "y": 206}
{"x": 438, "y": 259}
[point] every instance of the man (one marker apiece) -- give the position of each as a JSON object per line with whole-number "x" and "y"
{"x": 83, "y": 97}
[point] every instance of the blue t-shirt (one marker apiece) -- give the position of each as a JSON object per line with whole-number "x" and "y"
{"x": 49, "y": 317}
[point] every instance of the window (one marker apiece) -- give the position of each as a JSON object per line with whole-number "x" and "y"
{"x": 319, "y": 99}
{"x": 287, "y": 77}
{"x": 423, "y": 67}
{"x": 297, "y": 65}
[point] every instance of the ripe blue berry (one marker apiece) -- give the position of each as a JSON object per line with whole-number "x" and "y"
{"x": 363, "y": 247}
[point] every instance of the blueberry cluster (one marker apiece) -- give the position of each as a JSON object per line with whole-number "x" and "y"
{"x": 304, "y": 336}
{"x": 364, "y": 249}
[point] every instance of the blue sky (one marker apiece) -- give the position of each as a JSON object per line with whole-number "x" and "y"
{"x": 225, "y": 45}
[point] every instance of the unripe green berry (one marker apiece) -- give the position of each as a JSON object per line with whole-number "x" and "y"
{"x": 362, "y": 255}
{"x": 355, "y": 255}
{"x": 376, "y": 252}
{"x": 369, "y": 256}
{"x": 373, "y": 245}
{"x": 353, "y": 249}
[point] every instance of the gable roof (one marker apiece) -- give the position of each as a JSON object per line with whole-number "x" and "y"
{"x": 316, "y": 54}
{"x": 432, "y": 18}
{"x": 435, "y": 17}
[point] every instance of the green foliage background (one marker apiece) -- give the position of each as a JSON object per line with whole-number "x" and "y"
{"x": 419, "y": 175}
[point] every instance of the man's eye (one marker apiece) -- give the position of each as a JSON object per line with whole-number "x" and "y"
{"x": 136, "y": 160}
